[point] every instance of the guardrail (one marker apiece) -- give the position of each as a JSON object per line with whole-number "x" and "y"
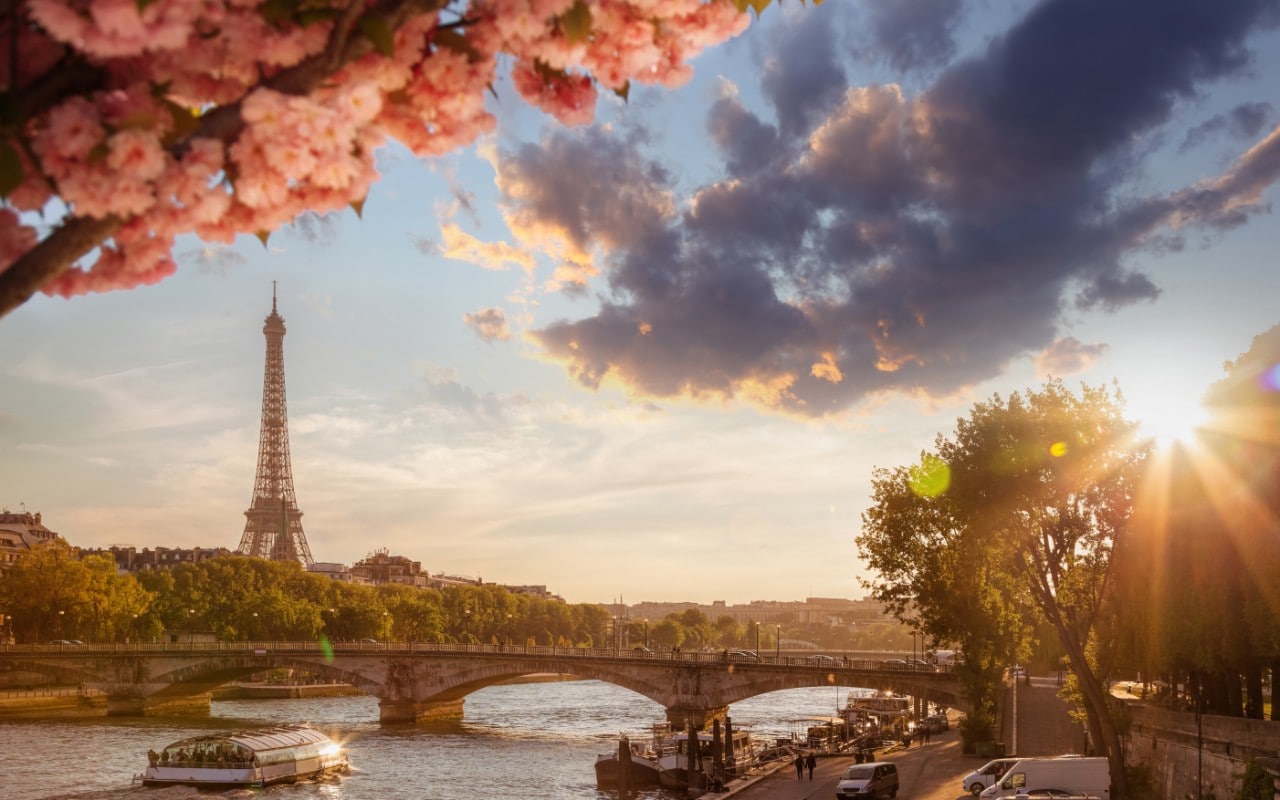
{"x": 354, "y": 648}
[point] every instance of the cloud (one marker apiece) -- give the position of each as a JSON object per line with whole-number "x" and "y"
{"x": 213, "y": 259}
{"x": 313, "y": 228}
{"x": 459, "y": 245}
{"x": 912, "y": 35}
{"x": 490, "y": 324}
{"x": 1067, "y": 356}
{"x": 1245, "y": 121}
{"x": 904, "y": 244}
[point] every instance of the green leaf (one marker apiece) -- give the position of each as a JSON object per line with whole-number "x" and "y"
{"x": 99, "y": 152}
{"x": 263, "y": 236}
{"x": 624, "y": 91}
{"x": 185, "y": 120}
{"x": 377, "y": 30}
{"x": 358, "y": 206}
{"x": 313, "y": 15}
{"x": 278, "y": 11}
{"x": 10, "y": 168}
{"x": 9, "y": 117}
{"x": 576, "y": 23}
{"x": 453, "y": 41}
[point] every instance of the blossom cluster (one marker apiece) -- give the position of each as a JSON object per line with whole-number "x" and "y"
{"x": 130, "y": 145}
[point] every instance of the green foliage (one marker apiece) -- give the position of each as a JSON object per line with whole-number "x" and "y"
{"x": 1255, "y": 782}
{"x": 1018, "y": 530}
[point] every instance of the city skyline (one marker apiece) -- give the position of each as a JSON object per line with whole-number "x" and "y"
{"x": 658, "y": 358}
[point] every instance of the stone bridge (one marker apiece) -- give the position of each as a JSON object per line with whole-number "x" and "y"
{"x": 415, "y": 681}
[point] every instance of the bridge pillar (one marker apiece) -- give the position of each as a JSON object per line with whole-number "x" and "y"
{"x": 398, "y": 712}
{"x": 700, "y": 717}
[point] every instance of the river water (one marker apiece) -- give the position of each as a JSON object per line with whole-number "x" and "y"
{"x": 533, "y": 740}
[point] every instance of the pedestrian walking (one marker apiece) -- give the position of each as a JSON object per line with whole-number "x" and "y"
{"x": 926, "y": 735}
{"x": 799, "y": 767}
{"x": 811, "y": 762}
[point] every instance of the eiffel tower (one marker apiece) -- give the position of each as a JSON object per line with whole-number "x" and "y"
{"x": 273, "y": 528}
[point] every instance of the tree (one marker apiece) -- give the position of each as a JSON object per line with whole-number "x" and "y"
{"x": 1027, "y": 500}
{"x": 137, "y": 121}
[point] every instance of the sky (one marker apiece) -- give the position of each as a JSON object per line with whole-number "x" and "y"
{"x": 658, "y": 358}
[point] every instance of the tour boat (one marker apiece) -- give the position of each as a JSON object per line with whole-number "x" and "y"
{"x": 246, "y": 758}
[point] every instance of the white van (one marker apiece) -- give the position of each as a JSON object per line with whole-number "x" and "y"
{"x": 1089, "y": 776}
{"x": 987, "y": 774}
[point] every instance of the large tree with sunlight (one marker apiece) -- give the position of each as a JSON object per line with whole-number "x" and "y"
{"x": 1203, "y": 606}
{"x": 127, "y": 123}
{"x": 1026, "y": 500}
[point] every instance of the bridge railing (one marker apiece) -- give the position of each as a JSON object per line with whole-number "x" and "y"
{"x": 818, "y": 663}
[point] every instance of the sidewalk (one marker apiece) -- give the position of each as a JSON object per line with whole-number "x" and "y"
{"x": 925, "y": 772}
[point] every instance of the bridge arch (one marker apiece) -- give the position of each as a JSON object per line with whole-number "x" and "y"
{"x": 417, "y": 681}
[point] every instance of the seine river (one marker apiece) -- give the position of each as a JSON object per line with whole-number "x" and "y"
{"x": 534, "y": 740}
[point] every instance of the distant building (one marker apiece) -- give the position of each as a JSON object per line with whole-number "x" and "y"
{"x": 533, "y": 591}
{"x": 381, "y": 567}
{"x": 336, "y": 572}
{"x": 131, "y": 559}
{"x": 19, "y": 533}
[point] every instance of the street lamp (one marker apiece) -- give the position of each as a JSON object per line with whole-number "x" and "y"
{"x": 646, "y": 632}
{"x": 191, "y": 629}
{"x": 466, "y": 621}
{"x": 60, "y": 613}
{"x": 757, "y": 624}
{"x": 509, "y": 624}
{"x": 777, "y": 642}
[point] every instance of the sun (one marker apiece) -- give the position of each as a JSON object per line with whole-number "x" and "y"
{"x": 1168, "y": 417}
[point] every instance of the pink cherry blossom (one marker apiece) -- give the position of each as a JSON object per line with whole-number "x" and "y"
{"x": 127, "y": 147}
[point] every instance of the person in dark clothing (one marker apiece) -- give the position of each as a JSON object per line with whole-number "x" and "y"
{"x": 811, "y": 762}
{"x": 799, "y": 767}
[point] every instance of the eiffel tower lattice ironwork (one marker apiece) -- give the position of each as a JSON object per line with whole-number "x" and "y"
{"x": 273, "y": 528}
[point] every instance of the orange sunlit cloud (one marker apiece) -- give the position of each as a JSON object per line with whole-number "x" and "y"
{"x": 462, "y": 246}
{"x": 827, "y": 369}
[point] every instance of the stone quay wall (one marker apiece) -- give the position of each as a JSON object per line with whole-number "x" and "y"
{"x": 1182, "y": 762}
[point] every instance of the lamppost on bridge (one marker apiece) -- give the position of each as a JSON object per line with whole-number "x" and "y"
{"x": 60, "y": 615}
{"x": 255, "y": 633}
{"x": 757, "y": 624}
{"x": 191, "y": 626}
{"x": 510, "y": 623}
{"x": 466, "y": 621}
{"x": 645, "y": 622}
{"x": 777, "y": 642}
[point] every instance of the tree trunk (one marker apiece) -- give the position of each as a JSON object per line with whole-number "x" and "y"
{"x": 1253, "y": 692}
{"x": 1102, "y": 728}
{"x": 1275, "y": 689}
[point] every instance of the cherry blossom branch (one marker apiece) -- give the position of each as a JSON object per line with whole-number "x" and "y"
{"x": 78, "y": 236}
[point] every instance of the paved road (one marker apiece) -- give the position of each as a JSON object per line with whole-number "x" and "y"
{"x": 925, "y": 772}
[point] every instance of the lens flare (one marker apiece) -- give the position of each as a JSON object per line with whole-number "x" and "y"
{"x": 1058, "y": 449}
{"x": 930, "y": 477}
{"x": 326, "y": 649}
{"x": 1269, "y": 380}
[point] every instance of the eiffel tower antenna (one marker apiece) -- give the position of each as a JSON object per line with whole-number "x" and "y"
{"x": 273, "y": 525}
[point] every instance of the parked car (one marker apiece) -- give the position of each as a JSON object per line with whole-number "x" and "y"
{"x": 894, "y": 663}
{"x": 823, "y": 661}
{"x": 641, "y": 650}
{"x": 872, "y": 781}
{"x": 987, "y": 774}
{"x": 744, "y": 655}
{"x": 919, "y": 665}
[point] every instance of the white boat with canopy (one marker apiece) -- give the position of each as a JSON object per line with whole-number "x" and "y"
{"x": 246, "y": 758}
